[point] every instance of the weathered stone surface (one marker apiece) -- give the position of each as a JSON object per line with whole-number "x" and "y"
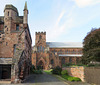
{"x": 15, "y": 43}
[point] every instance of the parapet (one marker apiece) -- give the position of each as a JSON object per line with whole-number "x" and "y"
{"x": 38, "y": 33}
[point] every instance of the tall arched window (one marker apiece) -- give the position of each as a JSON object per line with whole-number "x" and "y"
{"x": 52, "y": 62}
{"x": 43, "y": 49}
{"x": 70, "y": 59}
{"x": 63, "y": 61}
{"x": 8, "y": 13}
{"x": 40, "y": 48}
{"x": 40, "y": 37}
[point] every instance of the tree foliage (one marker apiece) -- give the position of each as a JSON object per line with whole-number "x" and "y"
{"x": 91, "y": 46}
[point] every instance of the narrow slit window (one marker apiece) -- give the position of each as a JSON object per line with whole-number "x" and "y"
{"x": 8, "y": 13}
{"x": 17, "y": 27}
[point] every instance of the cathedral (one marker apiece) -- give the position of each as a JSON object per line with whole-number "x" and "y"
{"x": 51, "y": 54}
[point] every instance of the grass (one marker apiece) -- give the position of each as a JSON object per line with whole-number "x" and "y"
{"x": 48, "y": 71}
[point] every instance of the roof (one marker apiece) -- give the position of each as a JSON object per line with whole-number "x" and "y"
{"x": 25, "y": 7}
{"x": 71, "y": 55}
{"x": 9, "y": 6}
{"x": 1, "y": 19}
{"x": 65, "y": 44}
{"x": 19, "y": 19}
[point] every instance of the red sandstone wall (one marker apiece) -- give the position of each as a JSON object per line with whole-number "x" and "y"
{"x": 76, "y": 72}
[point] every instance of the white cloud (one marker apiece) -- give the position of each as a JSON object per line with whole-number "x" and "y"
{"x": 84, "y": 3}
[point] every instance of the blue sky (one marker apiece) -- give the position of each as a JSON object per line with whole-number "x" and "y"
{"x": 63, "y": 20}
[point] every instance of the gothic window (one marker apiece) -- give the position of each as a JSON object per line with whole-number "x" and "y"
{"x": 52, "y": 62}
{"x": 40, "y": 48}
{"x": 70, "y": 59}
{"x": 17, "y": 27}
{"x": 43, "y": 49}
{"x": 40, "y": 37}
{"x": 8, "y": 13}
{"x": 14, "y": 48}
{"x": 63, "y": 61}
{"x": 61, "y": 51}
{"x": 67, "y": 51}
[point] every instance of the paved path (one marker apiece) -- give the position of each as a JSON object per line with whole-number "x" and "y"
{"x": 43, "y": 79}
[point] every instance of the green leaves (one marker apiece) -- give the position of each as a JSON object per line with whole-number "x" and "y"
{"x": 91, "y": 49}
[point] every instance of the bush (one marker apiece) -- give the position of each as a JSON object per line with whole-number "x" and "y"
{"x": 64, "y": 72}
{"x": 38, "y": 67}
{"x": 65, "y": 76}
{"x": 73, "y": 79}
{"x": 32, "y": 69}
{"x": 38, "y": 72}
{"x": 57, "y": 70}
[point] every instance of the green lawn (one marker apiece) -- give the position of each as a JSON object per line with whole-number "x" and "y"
{"x": 48, "y": 71}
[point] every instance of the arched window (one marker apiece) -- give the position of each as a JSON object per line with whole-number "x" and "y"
{"x": 60, "y": 51}
{"x": 17, "y": 27}
{"x": 63, "y": 61}
{"x": 40, "y": 37}
{"x": 52, "y": 62}
{"x": 40, "y": 48}
{"x": 8, "y": 13}
{"x": 70, "y": 59}
{"x": 43, "y": 49}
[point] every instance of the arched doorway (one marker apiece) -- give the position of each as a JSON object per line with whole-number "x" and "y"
{"x": 41, "y": 65}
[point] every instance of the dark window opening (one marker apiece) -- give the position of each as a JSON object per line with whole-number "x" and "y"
{"x": 6, "y": 43}
{"x": 52, "y": 62}
{"x": 0, "y": 35}
{"x": 70, "y": 60}
{"x": 40, "y": 37}
{"x": 8, "y": 13}
{"x": 5, "y": 71}
{"x": 17, "y": 27}
{"x": 63, "y": 61}
{"x": 7, "y": 29}
{"x": 14, "y": 48}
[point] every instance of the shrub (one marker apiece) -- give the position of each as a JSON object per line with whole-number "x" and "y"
{"x": 39, "y": 67}
{"x": 57, "y": 70}
{"x": 65, "y": 76}
{"x": 32, "y": 69}
{"x": 64, "y": 72}
{"x": 38, "y": 72}
{"x": 74, "y": 79}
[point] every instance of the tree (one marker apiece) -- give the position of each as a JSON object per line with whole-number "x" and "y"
{"x": 91, "y": 47}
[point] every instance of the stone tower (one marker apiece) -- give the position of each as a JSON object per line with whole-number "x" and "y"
{"x": 40, "y": 39}
{"x": 10, "y": 13}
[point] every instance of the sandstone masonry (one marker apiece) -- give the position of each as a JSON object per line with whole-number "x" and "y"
{"x": 15, "y": 44}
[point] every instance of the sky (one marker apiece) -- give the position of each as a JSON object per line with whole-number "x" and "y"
{"x": 63, "y": 20}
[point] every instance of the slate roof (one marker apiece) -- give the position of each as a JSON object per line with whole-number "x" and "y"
{"x": 9, "y": 6}
{"x": 65, "y": 44}
{"x": 1, "y": 19}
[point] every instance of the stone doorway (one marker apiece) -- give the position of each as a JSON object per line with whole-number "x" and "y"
{"x": 41, "y": 65}
{"x": 5, "y": 72}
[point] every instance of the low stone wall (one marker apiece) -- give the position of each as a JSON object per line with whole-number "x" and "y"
{"x": 92, "y": 75}
{"x": 76, "y": 72}
{"x": 86, "y": 74}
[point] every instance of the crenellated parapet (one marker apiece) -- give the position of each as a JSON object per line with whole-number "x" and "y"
{"x": 38, "y": 33}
